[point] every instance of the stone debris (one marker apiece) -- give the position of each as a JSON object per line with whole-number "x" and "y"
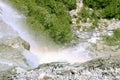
{"x": 107, "y": 68}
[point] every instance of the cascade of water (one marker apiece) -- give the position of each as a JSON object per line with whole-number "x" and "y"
{"x": 12, "y": 18}
{"x": 77, "y": 54}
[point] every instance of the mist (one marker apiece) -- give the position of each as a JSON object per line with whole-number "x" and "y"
{"x": 40, "y": 47}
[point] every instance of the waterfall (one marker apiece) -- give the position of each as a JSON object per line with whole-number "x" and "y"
{"x": 12, "y": 18}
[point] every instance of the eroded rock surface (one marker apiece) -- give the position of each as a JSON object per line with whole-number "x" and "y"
{"x": 107, "y": 68}
{"x": 15, "y": 42}
{"x": 11, "y": 52}
{"x": 14, "y": 51}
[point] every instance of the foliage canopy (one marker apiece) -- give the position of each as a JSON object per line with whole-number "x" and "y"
{"x": 50, "y": 16}
{"x": 110, "y": 8}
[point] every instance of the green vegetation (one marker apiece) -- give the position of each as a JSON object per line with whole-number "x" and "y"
{"x": 113, "y": 40}
{"x": 97, "y": 4}
{"x": 86, "y": 15}
{"x": 112, "y": 10}
{"x": 105, "y": 9}
{"x": 97, "y": 9}
{"x": 83, "y": 15}
{"x": 109, "y": 8}
{"x": 49, "y": 16}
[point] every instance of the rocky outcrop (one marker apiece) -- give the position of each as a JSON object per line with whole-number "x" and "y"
{"x": 14, "y": 51}
{"x": 15, "y": 42}
{"x": 107, "y": 68}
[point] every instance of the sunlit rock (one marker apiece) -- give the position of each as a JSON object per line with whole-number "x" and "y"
{"x": 97, "y": 69}
{"x": 15, "y": 42}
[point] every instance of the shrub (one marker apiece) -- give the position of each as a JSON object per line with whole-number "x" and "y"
{"x": 50, "y": 16}
{"x": 110, "y": 8}
{"x": 115, "y": 39}
{"x": 97, "y": 4}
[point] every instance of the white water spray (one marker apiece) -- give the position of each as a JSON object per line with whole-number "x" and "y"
{"x": 76, "y": 54}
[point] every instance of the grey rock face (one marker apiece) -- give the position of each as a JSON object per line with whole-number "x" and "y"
{"x": 14, "y": 51}
{"x": 15, "y": 42}
{"x": 107, "y": 68}
{"x": 11, "y": 53}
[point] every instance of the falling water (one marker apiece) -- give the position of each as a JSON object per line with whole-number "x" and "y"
{"x": 13, "y": 19}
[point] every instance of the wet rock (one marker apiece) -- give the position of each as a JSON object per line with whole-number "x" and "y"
{"x": 14, "y": 42}
{"x": 14, "y": 52}
{"x": 107, "y": 68}
{"x": 10, "y": 57}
